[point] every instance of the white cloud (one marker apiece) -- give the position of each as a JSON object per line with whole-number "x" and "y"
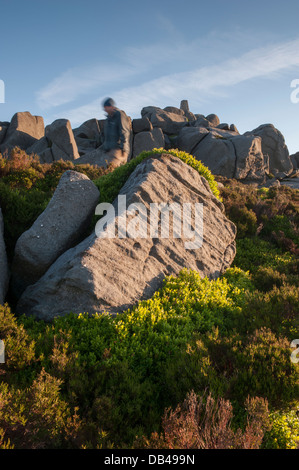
{"x": 201, "y": 82}
{"x": 77, "y": 81}
{"x": 172, "y": 54}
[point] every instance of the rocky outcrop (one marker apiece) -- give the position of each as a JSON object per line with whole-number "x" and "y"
{"x": 86, "y": 145}
{"x": 250, "y": 162}
{"x": 148, "y": 141}
{"x": 58, "y": 143}
{"x": 201, "y": 121}
{"x": 88, "y": 130}
{"x": 225, "y": 152}
{"x": 88, "y": 136}
{"x": 273, "y": 145}
{"x": 41, "y": 148}
{"x": 61, "y": 137}
{"x": 24, "y": 129}
{"x": 213, "y": 120}
{"x": 219, "y": 145}
{"x": 62, "y": 224}
{"x": 169, "y": 122}
{"x": 142, "y": 125}
{"x": 113, "y": 274}
{"x": 4, "y": 272}
{"x": 217, "y": 153}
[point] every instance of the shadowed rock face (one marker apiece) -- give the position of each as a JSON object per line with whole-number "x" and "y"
{"x": 3, "y": 130}
{"x": 113, "y": 274}
{"x": 148, "y": 141}
{"x": 273, "y": 145}
{"x": 61, "y": 136}
{"x": 4, "y": 274}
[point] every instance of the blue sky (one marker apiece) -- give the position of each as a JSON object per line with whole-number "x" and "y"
{"x": 237, "y": 59}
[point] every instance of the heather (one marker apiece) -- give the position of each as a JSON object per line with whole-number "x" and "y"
{"x": 201, "y": 364}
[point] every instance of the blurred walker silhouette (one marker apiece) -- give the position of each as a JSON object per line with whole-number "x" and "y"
{"x": 116, "y": 134}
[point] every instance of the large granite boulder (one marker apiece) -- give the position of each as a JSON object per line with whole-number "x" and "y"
{"x": 201, "y": 121}
{"x": 217, "y": 153}
{"x": 62, "y": 225}
{"x": 174, "y": 110}
{"x": 169, "y": 122}
{"x": 213, "y": 120}
{"x": 4, "y": 272}
{"x": 148, "y": 141}
{"x": 88, "y": 130}
{"x": 112, "y": 274}
{"x": 24, "y": 129}
{"x": 190, "y": 137}
{"x": 62, "y": 140}
{"x": 273, "y": 145}
{"x": 142, "y": 125}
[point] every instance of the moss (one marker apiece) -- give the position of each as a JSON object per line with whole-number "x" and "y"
{"x": 109, "y": 185}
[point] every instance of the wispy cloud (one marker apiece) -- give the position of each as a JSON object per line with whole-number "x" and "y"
{"x": 132, "y": 62}
{"x": 77, "y": 81}
{"x": 201, "y": 82}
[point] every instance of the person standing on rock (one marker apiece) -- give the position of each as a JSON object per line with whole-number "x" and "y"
{"x": 116, "y": 134}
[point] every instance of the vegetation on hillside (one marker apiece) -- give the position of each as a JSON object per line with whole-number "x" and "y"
{"x": 202, "y": 364}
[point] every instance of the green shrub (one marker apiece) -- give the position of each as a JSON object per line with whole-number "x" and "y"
{"x": 26, "y": 188}
{"x": 19, "y": 348}
{"x": 276, "y": 309}
{"x": 245, "y": 220}
{"x": 273, "y": 213}
{"x": 265, "y": 369}
{"x": 37, "y": 417}
{"x": 266, "y": 278}
{"x": 191, "y": 368}
{"x": 20, "y": 209}
{"x": 122, "y": 372}
{"x": 100, "y": 381}
{"x": 281, "y": 223}
{"x": 156, "y": 328}
{"x": 284, "y": 432}
{"x": 253, "y": 253}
